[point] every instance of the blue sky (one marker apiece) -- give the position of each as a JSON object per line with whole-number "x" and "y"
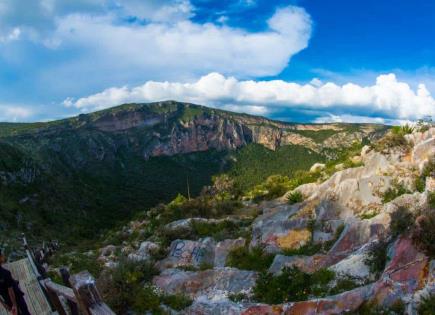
{"x": 306, "y": 60}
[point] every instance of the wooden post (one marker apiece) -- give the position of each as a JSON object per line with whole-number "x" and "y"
{"x": 65, "y": 278}
{"x": 88, "y": 297}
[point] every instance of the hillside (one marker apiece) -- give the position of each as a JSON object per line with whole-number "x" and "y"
{"x": 92, "y": 171}
{"x": 352, "y": 236}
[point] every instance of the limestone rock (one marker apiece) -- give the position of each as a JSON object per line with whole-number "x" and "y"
{"x": 144, "y": 252}
{"x": 209, "y": 283}
{"x": 189, "y": 253}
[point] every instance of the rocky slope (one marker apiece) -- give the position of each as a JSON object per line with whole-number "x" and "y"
{"x": 96, "y": 169}
{"x": 342, "y": 217}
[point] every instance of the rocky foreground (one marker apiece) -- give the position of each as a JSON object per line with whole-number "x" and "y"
{"x": 344, "y": 216}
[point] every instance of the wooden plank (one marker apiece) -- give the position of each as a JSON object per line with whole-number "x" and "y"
{"x": 23, "y": 272}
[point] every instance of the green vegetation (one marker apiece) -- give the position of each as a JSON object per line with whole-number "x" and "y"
{"x": 293, "y": 284}
{"x": 127, "y": 288}
{"x": 253, "y": 164}
{"x": 401, "y": 221}
{"x": 295, "y": 197}
{"x": 427, "y": 305}
{"x": 311, "y": 248}
{"x": 393, "y": 139}
{"x": 77, "y": 262}
{"x": 369, "y": 308}
{"x": 377, "y": 257}
{"x": 394, "y": 191}
{"x": 423, "y": 232}
{"x": 256, "y": 258}
{"x": 317, "y": 135}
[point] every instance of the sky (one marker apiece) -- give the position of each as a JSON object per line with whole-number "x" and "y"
{"x": 300, "y": 60}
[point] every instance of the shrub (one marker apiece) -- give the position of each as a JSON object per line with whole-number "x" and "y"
{"x": 295, "y": 197}
{"x": 401, "y": 221}
{"x": 222, "y": 230}
{"x": 123, "y": 287}
{"x": 394, "y": 191}
{"x": 293, "y": 284}
{"x": 427, "y": 305}
{"x": 423, "y": 234}
{"x": 249, "y": 259}
{"x": 238, "y": 297}
{"x": 431, "y": 199}
{"x": 177, "y": 302}
{"x": 391, "y": 140}
{"x": 377, "y": 257}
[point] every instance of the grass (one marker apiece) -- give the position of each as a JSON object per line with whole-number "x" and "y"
{"x": 377, "y": 257}
{"x": 295, "y": 197}
{"x": 402, "y": 221}
{"x": 394, "y": 191}
{"x": 293, "y": 285}
{"x": 255, "y": 259}
{"x": 427, "y": 305}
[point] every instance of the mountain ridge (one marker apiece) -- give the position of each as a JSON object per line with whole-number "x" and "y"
{"x": 102, "y": 167}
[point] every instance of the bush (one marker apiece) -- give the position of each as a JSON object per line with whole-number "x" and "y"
{"x": 295, "y": 197}
{"x": 293, "y": 284}
{"x": 249, "y": 259}
{"x": 377, "y": 257}
{"x": 177, "y": 302}
{"x": 402, "y": 221}
{"x": 391, "y": 140}
{"x": 427, "y": 305}
{"x": 431, "y": 200}
{"x": 423, "y": 233}
{"x": 124, "y": 287}
{"x": 394, "y": 191}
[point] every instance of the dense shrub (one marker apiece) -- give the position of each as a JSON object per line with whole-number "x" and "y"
{"x": 243, "y": 258}
{"x": 427, "y": 305}
{"x": 123, "y": 287}
{"x": 293, "y": 284}
{"x": 127, "y": 288}
{"x": 394, "y": 191}
{"x": 423, "y": 232}
{"x": 377, "y": 257}
{"x": 295, "y": 197}
{"x": 401, "y": 221}
{"x": 393, "y": 139}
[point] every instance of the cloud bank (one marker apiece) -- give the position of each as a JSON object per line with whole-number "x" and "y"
{"x": 386, "y": 98}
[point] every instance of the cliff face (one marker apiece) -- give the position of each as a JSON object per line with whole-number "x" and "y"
{"x": 170, "y": 128}
{"x": 88, "y": 167}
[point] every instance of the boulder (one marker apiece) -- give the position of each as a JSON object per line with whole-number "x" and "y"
{"x": 405, "y": 274}
{"x": 189, "y": 253}
{"x": 273, "y": 227}
{"x": 354, "y": 265}
{"x": 223, "y": 248}
{"x": 144, "y": 252}
{"x": 209, "y": 283}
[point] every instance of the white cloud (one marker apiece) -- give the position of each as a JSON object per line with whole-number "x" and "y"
{"x": 183, "y": 48}
{"x": 387, "y": 98}
{"x": 14, "y": 113}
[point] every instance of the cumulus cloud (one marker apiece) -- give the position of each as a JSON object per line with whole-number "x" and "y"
{"x": 14, "y": 113}
{"x": 387, "y": 98}
{"x": 184, "y": 48}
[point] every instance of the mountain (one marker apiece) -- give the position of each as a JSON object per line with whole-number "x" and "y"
{"x": 94, "y": 170}
{"x": 353, "y": 235}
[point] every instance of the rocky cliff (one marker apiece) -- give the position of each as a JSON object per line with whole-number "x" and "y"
{"x": 358, "y": 241}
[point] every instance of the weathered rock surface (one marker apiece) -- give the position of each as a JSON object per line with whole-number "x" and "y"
{"x": 209, "y": 283}
{"x": 202, "y": 252}
{"x": 144, "y": 252}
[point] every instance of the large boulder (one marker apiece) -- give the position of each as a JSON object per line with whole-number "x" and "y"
{"x": 205, "y": 251}
{"x": 189, "y": 253}
{"x": 223, "y": 248}
{"x": 144, "y": 252}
